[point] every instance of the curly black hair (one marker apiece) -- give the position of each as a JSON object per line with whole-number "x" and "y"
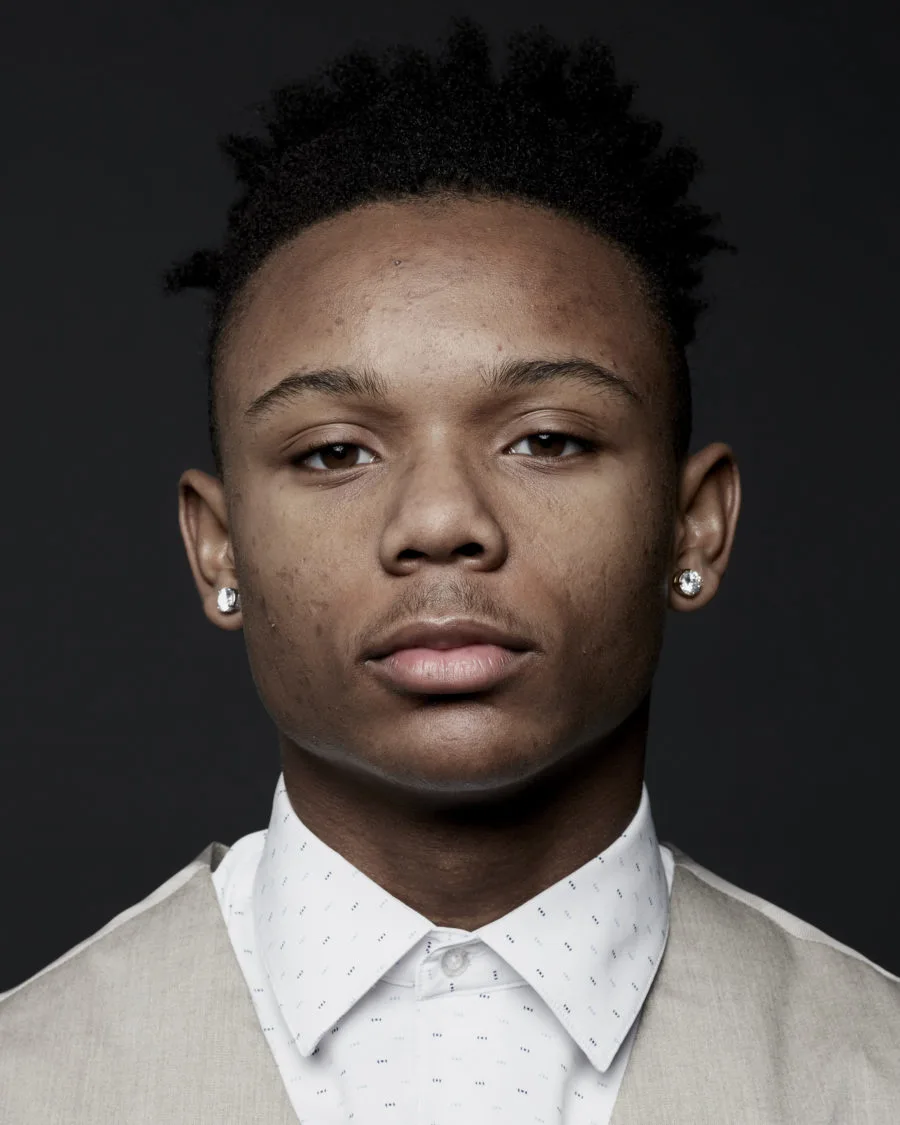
{"x": 554, "y": 128}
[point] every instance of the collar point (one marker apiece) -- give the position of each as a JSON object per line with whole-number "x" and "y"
{"x": 307, "y": 1044}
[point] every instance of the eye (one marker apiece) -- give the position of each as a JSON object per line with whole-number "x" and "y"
{"x": 341, "y": 454}
{"x": 549, "y": 443}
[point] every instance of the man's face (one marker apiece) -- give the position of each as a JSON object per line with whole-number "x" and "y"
{"x": 443, "y": 501}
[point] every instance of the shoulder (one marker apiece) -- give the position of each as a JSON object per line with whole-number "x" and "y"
{"x": 759, "y": 921}
{"x": 148, "y": 920}
{"x": 153, "y": 920}
{"x": 148, "y": 1020}
{"x": 757, "y": 1016}
{"x": 766, "y": 985}
{"x": 127, "y": 1007}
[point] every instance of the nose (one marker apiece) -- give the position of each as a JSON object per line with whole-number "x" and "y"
{"x": 440, "y": 514}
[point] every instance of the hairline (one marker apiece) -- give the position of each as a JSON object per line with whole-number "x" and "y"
{"x": 230, "y": 315}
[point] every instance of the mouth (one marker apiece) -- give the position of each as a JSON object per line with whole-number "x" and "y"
{"x": 447, "y": 671}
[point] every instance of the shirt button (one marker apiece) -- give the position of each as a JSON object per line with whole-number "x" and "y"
{"x": 454, "y": 962}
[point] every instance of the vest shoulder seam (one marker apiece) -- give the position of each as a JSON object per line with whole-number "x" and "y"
{"x": 789, "y": 923}
{"x": 158, "y": 895}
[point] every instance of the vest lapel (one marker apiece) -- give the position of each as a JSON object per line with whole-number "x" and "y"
{"x": 241, "y": 1075}
{"x": 702, "y": 1053}
{"x": 649, "y": 1088}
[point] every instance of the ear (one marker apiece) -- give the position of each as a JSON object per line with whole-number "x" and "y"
{"x": 709, "y": 502}
{"x": 203, "y": 518}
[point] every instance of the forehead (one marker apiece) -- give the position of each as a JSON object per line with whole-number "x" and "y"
{"x": 431, "y": 290}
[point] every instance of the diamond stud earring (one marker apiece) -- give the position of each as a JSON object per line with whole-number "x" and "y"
{"x": 688, "y": 582}
{"x": 228, "y": 600}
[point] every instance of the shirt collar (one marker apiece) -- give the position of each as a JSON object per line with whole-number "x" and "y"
{"x": 589, "y": 945}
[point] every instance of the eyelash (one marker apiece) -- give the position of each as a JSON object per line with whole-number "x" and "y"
{"x": 587, "y": 445}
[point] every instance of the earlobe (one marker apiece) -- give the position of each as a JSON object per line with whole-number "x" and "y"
{"x": 709, "y": 505}
{"x": 203, "y": 519}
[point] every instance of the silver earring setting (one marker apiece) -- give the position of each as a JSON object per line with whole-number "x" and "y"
{"x": 688, "y": 582}
{"x": 228, "y": 600}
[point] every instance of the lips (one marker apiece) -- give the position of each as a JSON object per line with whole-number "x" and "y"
{"x": 442, "y": 658}
{"x": 431, "y": 671}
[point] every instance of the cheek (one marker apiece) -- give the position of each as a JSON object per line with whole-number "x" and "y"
{"x": 611, "y": 573}
{"x": 289, "y": 593}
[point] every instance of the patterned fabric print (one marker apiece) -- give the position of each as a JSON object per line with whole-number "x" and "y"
{"x": 374, "y": 1015}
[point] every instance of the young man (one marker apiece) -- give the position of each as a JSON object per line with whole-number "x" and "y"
{"x": 454, "y": 503}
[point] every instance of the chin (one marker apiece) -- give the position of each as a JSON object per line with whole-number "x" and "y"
{"x": 448, "y": 767}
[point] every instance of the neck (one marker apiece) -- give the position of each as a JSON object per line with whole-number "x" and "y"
{"x": 463, "y": 865}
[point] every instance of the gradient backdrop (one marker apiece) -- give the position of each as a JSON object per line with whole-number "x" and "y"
{"x": 130, "y": 729}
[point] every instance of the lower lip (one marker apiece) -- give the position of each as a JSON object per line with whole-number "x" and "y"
{"x": 444, "y": 671}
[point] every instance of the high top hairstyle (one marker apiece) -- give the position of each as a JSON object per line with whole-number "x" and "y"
{"x": 555, "y": 128}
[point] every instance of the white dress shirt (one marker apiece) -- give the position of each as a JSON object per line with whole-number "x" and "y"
{"x": 377, "y": 1017}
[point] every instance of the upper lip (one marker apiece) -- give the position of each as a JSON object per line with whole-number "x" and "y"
{"x": 446, "y": 634}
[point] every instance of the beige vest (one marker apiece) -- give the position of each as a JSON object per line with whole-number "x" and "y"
{"x": 755, "y": 1018}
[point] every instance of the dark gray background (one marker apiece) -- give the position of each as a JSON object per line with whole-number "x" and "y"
{"x": 131, "y": 732}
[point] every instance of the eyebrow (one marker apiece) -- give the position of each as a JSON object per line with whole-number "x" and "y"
{"x": 510, "y": 375}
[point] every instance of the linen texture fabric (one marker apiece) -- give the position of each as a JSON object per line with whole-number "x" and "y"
{"x": 754, "y": 1018}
